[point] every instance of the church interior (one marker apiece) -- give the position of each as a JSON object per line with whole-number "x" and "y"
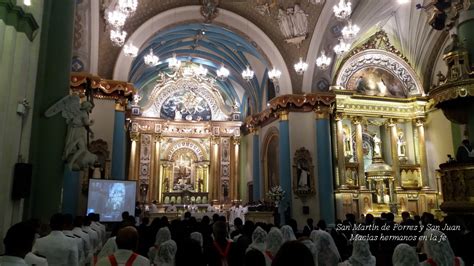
{"x": 317, "y": 108}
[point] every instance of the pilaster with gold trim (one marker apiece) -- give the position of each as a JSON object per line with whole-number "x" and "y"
{"x": 341, "y": 164}
{"x": 392, "y": 125}
{"x": 156, "y": 182}
{"x": 235, "y": 173}
{"x": 357, "y": 122}
{"x": 214, "y": 169}
{"x": 422, "y": 152}
{"x": 134, "y": 156}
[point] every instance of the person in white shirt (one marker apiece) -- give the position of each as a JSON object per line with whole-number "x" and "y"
{"x": 193, "y": 208}
{"x": 108, "y": 249}
{"x": 154, "y": 207}
{"x": 77, "y": 230}
{"x": 232, "y": 214}
{"x": 211, "y": 208}
{"x": 67, "y": 230}
{"x": 95, "y": 224}
{"x": 171, "y": 208}
{"x": 241, "y": 211}
{"x": 127, "y": 243}
{"x": 57, "y": 248}
{"x": 93, "y": 235}
{"x": 18, "y": 242}
{"x": 33, "y": 259}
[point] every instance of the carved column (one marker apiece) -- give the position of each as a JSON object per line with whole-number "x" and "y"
{"x": 422, "y": 151}
{"x": 357, "y": 121}
{"x": 285, "y": 165}
{"x": 341, "y": 164}
{"x": 214, "y": 175}
{"x": 156, "y": 177}
{"x": 235, "y": 174}
{"x": 132, "y": 173}
{"x": 392, "y": 125}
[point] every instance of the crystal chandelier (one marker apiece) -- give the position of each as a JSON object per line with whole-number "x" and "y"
{"x": 343, "y": 10}
{"x": 342, "y": 47}
{"x": 274, "y": 74}
{"x": 200, "y": 71}
{"x": 128, "y": 6}
{"x": 116, "y": 18}
{"x": 117, "y": 36}
{"x": 174, "y": 63}
{"x": 350, "y": 31}
{"x": 301, "y": 67}
{"x": 130, "y": 50}
{"x": 247, "y": 74}
{"x": 151, "y": 59}
{"x": 323, "y": 62}
{"x": 222, "y": 73}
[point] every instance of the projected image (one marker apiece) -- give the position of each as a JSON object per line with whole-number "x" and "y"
{"x": 110, "y": 198}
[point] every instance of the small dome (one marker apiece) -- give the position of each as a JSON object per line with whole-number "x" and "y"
{"x": 379, "y": 169}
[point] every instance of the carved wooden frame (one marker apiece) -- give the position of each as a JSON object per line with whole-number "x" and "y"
{"x": 302, "y": 154}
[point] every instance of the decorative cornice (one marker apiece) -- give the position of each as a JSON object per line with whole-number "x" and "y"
{"x": 15, "y": 16}
{"x": 290, "y": 103}
{"x": 452, "y": 90}
{"x": 102, "y": 88}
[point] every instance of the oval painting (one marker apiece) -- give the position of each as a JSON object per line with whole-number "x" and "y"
{"x": 376, "y": 82}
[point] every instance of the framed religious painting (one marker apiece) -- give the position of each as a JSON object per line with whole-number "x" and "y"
{"x": 303, "y": 173}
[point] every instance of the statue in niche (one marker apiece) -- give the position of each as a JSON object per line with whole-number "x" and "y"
{"x": 303, "y": 183}
{"x": 166, "y": 185}
{"x": 347, "y": 142}
{"x": 284, "y": 21}
{"x": 401, "y": 144}
{"x": 76, "y": 152}
{"x": 377, "y": 144}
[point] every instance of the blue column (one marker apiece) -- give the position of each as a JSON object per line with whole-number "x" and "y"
{"x": 118, "y": 150}
{"x": 256, "y": 167}
{"x": 284, "y": 166}
{"x": 71, "y": 187}
{"x": 325, "y": 170}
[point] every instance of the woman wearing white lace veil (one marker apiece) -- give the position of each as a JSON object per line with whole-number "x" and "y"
{"x": 361, "y": 255}
{"x": 196, "y": 236}
{"x": 325, "y": 247}
{"x": 288, "y": 234}
{"x": 166, "y": 254}
{"x": 162, "y": 235}
{"x": 259, "y": 236}
{"x": 312, "y": 248}
{"x": 438, "y": 250}
{"x": 273, "y": 243}
{"x": 405, "y": 255}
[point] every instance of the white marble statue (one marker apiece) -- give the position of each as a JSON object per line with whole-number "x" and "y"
{"x": 300, "y": 21}
{"x": 285, "y": 24}
{"x": 264, "y": 9}
{"x": 401, "y": 145}
{"x": 178, "y": 115}
{"x": 76, "y": 114}
{"x": 377, "y": 144}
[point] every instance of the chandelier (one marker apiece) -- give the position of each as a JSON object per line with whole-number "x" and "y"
{"x": 274, "y": 74}
{"x": 117, "y": 36}
{"x": 350, "y": 31}
{"x": 222, "y": 73}
{"x": 343, "y": 10}
{"x": 323, "y": 62}
{"x": 151, "y": 59}
{"x": 342, "y": 47}
{"x": 116, "y": 18}
{"x": 174, "y": 63}
{"x": 247, "y": 74}
{"x": 130, "y": 50}
{"x": 128, "y": 6}
{"x": 301, "y": 67}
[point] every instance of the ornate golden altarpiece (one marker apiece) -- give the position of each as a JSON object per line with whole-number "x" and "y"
{"x": 185, "y": 142}
{"x": 380, "y": 110}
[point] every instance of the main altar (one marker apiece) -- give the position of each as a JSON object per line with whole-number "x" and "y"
{"x": 184, "y": 141}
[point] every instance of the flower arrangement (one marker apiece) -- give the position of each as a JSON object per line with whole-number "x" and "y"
{"x": 276, "y": 194}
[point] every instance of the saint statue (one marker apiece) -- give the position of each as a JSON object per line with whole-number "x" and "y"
{"x": 300, "y": 21}
{"x": 377, "y": 143}
{"x": 302, "y": 177}
{"x": 178, "y": 115}
{"x": 401, "y": 144}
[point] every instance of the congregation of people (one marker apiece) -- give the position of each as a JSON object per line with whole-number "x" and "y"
{"x": 69, "y": 240}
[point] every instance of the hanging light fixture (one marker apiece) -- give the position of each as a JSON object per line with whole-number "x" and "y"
{"x": 342, "y": 47}
{"x": 27, "y": 2}
{"x": 323, "y": 62}
{"x": 128, "y": 6}
{"x": 222, "y": 73}
{"x": 151, "y": 59}
{"x": 200, "y": 71}
{"x": 350, "y": 31}
{"x": 174, "y": 63}
{"x": 118, "y": 36}
{"x": 301, "y": 66}
{"x": 247, "y": 74}
{"x": 130, "y": 50}
{"x": 274, "y": 74}
{"x": 343, "y": 10}
{"x": 116, "y": 18}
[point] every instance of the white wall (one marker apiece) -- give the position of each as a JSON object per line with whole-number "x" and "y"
{"x": 303, "y": 134}
{"x": 439, "y": 142}
{"x": 18, "y": 68}
{"x": 103, "y": 115}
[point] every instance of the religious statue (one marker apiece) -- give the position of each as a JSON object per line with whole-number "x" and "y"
{"x": 377, "y": 143}
{"x": 293, "y": 23}
{"x": 209, "y": 10}
{"x": 300, "y": 21}
{"x": 264, "y": 9}
{"x": 303, "y": 177}
{"x": 76, "y": 151}
{"x": 178, "y": 115}
{"x": 347, "y": 142}
{"x": 401, "y": 144}
{"x": 166, "y": 185}
{"x": 200, "y": 184}
{"x": 286, "y": 26}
